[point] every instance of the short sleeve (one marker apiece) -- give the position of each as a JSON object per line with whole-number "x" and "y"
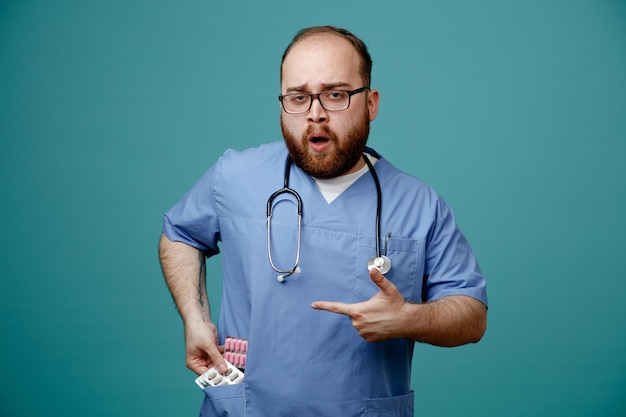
{"x": 193, "y": 220}
{"x": 451, "y": 266}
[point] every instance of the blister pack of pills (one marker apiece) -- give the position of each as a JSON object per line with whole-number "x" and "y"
{"x": 235, "y": 351}
{"x": 213, "y": 378}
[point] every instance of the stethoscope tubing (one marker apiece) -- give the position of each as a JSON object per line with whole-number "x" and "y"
{"x": 379, "y": 202}
{"x": 380, "y": 262}
{"x": 284, "y": 190}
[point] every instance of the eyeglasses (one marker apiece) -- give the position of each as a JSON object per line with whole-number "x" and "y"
{"x": 331, "y": 100}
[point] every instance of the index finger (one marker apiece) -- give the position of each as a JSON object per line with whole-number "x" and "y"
{"x": 332, "y": 306}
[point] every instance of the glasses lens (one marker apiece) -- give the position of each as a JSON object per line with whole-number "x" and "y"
{"x": 296, "y": 103}
{"x": 335, "y": 100}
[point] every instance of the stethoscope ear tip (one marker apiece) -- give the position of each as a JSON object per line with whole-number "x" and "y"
{"x": 280, "y": 278}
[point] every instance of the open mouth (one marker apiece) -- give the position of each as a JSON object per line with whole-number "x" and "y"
{"x": 319, "y": 143}
{"x": 318, "y": 139}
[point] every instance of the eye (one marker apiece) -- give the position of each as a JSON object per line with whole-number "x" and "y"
{"x": 298, "y": 98}
{"x": 335, "y": 95}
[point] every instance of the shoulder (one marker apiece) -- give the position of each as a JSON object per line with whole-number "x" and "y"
{"x": 407, "y": 194}
{"x": 397, "y": 180}
{"x": 251, "y": 171}
{"x": 262, "y": 155}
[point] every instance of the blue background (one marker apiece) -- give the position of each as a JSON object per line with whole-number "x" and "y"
{"x": 110, "y": 110}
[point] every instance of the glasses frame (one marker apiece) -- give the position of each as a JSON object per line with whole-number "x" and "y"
{"x": 316, "y": 96}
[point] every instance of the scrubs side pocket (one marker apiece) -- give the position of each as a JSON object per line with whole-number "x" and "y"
{"x": 227, "y": 400}
{"x": 400, "y": 406}
{"x": 405, "y": 256}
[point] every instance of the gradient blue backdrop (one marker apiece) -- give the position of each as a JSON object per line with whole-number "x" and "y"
{"x": 109, "y": 110}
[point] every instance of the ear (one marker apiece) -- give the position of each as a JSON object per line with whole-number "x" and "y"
{"x": 372, "y": 103}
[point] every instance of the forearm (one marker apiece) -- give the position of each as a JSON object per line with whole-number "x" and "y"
{"x": 184, "y": 270}
{"x": 450, "y": 321}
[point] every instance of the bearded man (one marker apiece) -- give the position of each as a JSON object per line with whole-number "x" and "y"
{"x": 329, "y": 307}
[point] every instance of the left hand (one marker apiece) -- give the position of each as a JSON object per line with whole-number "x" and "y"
{"x": 377, "y": 318}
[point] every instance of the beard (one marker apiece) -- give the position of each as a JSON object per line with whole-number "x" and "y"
{"x": 341, "y": 156}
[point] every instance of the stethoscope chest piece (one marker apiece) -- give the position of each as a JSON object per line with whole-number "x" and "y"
{"x": 382, "y": 263}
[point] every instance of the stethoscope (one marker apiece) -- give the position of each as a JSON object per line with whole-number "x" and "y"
{"x": 380, "y": 261}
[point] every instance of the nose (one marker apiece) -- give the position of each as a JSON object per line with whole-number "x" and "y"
{"x": 317, "y": 113}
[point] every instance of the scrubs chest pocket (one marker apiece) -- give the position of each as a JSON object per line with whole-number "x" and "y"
{"x": 405, "y": 256}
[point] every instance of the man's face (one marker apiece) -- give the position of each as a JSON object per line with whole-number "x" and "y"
{"x": 326, "y": 144}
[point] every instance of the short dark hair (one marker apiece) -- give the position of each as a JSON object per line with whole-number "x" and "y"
{"x": 359, "y": 46}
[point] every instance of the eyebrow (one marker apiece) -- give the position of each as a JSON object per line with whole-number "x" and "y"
{"x": 325, "y": 87}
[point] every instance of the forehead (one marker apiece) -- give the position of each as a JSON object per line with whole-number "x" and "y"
{"x": 321, "y": 59}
